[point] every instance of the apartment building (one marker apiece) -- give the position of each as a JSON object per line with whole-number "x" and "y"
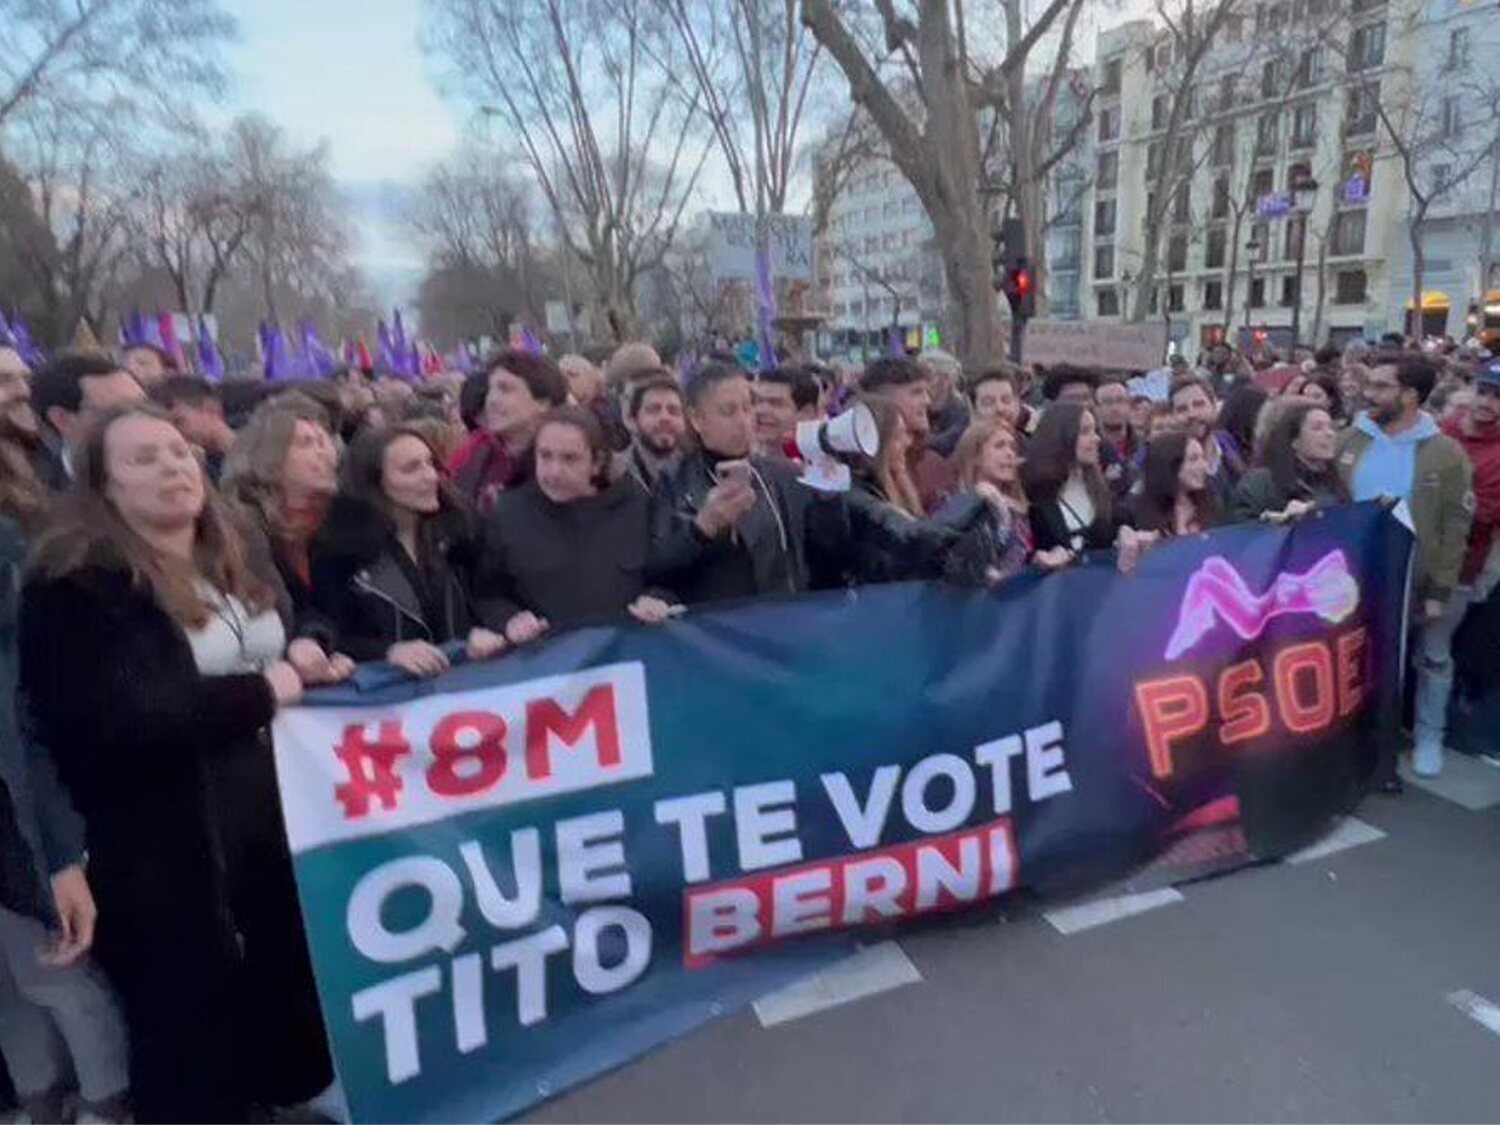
{"x": 876, "y": 266}
{"x": 1455, "y": 117}
{"x": 1286, "y": 95}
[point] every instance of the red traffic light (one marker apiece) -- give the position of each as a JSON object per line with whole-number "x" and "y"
{"x": 1023, "y": 282}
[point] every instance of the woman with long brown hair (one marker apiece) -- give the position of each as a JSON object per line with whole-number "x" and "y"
{"x": 151, "y": 661}
{"x": 886, "y": 477}
{"x": 392, "y": 565}
{"x": 1070, "y": 503}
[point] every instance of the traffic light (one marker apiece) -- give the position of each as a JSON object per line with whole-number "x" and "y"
{"x": 1020, "y": 289}
{"x": 1012, "y": 269}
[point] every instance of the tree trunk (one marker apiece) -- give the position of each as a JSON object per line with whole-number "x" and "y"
{"x": 1418, "y": 266}
{"x": 1322, "y": 268}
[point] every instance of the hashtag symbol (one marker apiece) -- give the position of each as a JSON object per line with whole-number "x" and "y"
{"x": 372, "y": 768}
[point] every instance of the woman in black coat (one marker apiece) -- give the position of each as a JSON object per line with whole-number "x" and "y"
{"x": 1070, "y": 502}
{"x": 138, "y": 584}
{"x": 568, "y": 548}
{"x": 1298, "y": 470}
{"x": 391, "y": 562}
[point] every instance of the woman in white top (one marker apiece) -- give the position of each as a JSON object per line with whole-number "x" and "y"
{"x": 151, "y": 664}
{"x": 1070, "y": 502}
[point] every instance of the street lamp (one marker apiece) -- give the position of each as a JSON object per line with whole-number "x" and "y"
{"x": 1252, "y": 248}
{"x": 1304, "y": 196}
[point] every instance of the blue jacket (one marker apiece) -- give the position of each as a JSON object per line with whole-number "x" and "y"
{"x": 40, "y": 832}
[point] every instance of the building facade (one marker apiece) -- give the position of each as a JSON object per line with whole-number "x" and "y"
{"x": 1286, "y": 94}
{"x": 877, "y": 269}
{"x": 1456, "y": 117}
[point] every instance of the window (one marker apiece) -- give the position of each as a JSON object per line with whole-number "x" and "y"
{"x": 1361, "y": 115}
{"x": 1109, "y": 123}
{"x": 1260, "y": 234}
{"x": 1442, "y": 175}
{"x": 1153, "y": 301}
{"x": 1107, "y": 174}
{"x": 1234, "y": 28}
{"x": 1270, "y": 80}
{"x": 1104, "y": 218}
{"x": 1064, "y": 253}
{"x": 1223, "y": 151}
{"x": 1182, "y": 204}
{"x": 1276, "y": 17}
{"x": 1262, "y": 183}
{"x": 1177, "y": 248}
{"x": 1458, "y": 48}
{"x": 1266, "y": 129}
{"x": 1190, "y": 103}
{"x": 1184, "y": 154}
{"x": 1213, "y": 294}
{"x": 1305, "y": 126}
{"x": 872, "y": 243}
{"x": 1153, "y": 160}
{"x": 1162, "y": 58}
{"x": 1159, "y": 111}
{"x": 1109, "y": 302}
{"x": 889, "y": 241}
{"x": 1291, "y": 235}
{"x": 891, "y": 210}
{"x": 1226, "y": 92}
{"x": 1104, "y": 261}
{"x": 1288, "y": 292}
{"x": 1174, "y": 298}
{"x": 1367, "y": 48}
{"x": 1310, "y": 68}
{"x": 1452, "y": 117}
{"x": 1258, "y": 293}
{"x": 1349, "y": 287}
{"x": 1349, "y": 232}
{"x": 1221, "y": 198}
{"x": 1214, "y": 247}
{"x": 1112, "y": 69}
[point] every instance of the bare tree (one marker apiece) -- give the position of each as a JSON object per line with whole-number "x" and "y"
{"x": 921, "y": 57}
{"x": 483, "y": 259}
{"x": 73, "y": 254}
{"x": 1193, "y": 28}
{"x": 298, "y": 237}
{"x": 611, "y": 148}
{"x": 749, "y": 55}
{"x": 134, "y": 53}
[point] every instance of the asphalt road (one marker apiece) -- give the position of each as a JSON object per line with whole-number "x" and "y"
{"x": 1345, "y": 987}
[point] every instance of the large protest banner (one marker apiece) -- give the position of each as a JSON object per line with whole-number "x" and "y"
{"x": 532, "y": 870}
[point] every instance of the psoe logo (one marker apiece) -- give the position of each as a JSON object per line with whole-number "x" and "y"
{"x": 1217, "y": 593}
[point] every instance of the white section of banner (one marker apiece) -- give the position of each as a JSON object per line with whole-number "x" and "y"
{"x": 349, "y": 772}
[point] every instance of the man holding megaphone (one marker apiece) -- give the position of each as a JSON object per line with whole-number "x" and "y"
{"x": 727, "y": 524}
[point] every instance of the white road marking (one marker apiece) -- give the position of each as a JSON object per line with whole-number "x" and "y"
{"x": 1350, "y": 832}
{"x": 875, "y": 969}
{"x": 1477, "y": 1008}
{"x": 1087, "y": 915}
{"x": 1464, "y": 781}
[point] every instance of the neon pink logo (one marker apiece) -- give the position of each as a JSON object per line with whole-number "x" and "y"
{"x": 1217, "y": 592}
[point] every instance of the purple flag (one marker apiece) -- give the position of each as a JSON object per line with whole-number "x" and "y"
{"x": 210, "y": 362}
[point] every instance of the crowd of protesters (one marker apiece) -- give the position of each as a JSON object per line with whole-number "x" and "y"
{"x": 180, "y": 559}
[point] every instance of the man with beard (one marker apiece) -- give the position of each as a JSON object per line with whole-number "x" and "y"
{"x": 657, "y": 428}
{"x": 1121, "y": 450}
{"x": 1196, "y": 411}
{"x": 1396, "y": 450}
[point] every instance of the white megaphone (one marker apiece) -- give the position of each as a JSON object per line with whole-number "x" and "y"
{"x": 820, "y": 443}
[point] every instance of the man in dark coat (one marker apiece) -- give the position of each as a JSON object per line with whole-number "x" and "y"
{"x": 729, "y": 525}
